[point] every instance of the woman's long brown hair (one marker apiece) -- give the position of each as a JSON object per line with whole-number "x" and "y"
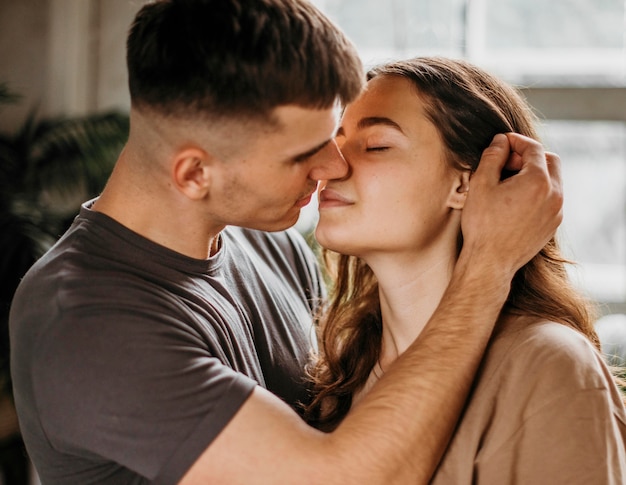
{"x": 469, "y": 107}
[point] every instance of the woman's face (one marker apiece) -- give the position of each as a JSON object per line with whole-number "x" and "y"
{"x": 399, "y": 193}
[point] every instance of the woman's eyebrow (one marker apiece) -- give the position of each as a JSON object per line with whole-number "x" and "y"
{"x": 372, "y": 121}
{"x": 378, "y": 120}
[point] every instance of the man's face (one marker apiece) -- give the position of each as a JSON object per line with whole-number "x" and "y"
{"x": 268, "y": 180}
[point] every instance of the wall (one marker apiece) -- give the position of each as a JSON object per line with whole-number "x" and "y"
{"x": 65, "y": 57}
{"x": 23, "y": 55}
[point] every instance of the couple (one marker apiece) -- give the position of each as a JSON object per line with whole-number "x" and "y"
{"x": 145, "y": 342}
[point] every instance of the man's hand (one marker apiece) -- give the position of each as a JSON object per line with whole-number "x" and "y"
{"x": 506, "y": 222}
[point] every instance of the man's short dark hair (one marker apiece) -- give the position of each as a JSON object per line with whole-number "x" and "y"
{"x": 238, "y": 58}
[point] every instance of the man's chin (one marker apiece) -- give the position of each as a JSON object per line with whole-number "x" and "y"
{"x": 289, "y": 220}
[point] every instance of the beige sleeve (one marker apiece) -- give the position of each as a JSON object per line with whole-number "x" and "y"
{"x": 574, "y": 439}
{"x": 566, "y": 417}
{"x": 544, "y": 410}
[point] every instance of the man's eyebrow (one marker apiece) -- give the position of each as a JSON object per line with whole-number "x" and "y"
{"x": 309, "y": 153}
{"x": 372, "y": 121}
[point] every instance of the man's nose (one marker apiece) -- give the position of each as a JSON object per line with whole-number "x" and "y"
{"x": 329, "y": 163}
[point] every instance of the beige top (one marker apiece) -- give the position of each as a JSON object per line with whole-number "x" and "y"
{"x": 544, "y": 410}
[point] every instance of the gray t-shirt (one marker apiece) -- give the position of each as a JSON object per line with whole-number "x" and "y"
{"x": 128, "y": 358}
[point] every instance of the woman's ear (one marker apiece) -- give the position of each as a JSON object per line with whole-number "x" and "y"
{"x": 192, "y": 172}
{"x": 460, "y": 188}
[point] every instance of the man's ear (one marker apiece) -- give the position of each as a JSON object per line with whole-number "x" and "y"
{"x": 192, "y": 172}
{"x": 459, "y": 190}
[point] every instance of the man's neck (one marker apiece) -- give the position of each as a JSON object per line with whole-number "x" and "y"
{"x": 165, "y": 217}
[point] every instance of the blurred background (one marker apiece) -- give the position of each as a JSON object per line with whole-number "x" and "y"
{"x": 64, "y": 106}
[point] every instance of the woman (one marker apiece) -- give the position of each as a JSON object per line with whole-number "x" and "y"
{"x": 544, "y": 407}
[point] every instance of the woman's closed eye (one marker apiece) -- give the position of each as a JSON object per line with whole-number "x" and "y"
{"x": 379, "y": 140}
{"x": 377, "y": 148}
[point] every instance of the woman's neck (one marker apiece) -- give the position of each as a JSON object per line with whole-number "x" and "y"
{"x": 410, "y": 290}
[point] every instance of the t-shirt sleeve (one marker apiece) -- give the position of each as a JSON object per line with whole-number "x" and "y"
{"x": 568, "y": 418}
{"x": 137, "y": 388}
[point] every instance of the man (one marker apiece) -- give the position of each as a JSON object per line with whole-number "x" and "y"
{"x": 146, "y": 341}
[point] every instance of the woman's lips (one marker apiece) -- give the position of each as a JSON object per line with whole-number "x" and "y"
{"x": 331, "y": 198}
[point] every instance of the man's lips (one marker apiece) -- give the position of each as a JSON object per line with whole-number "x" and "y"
{"x": 304, "y": 200}
{"x": 331, "y": 198}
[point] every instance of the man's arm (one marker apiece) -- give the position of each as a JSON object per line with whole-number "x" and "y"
{"x": 399, "y": 431}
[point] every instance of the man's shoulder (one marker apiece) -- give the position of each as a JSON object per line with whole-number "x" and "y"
{"x": 282, "y": 257}
{"x": 288, "y": 245}
{"x": 288, "y": 236}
